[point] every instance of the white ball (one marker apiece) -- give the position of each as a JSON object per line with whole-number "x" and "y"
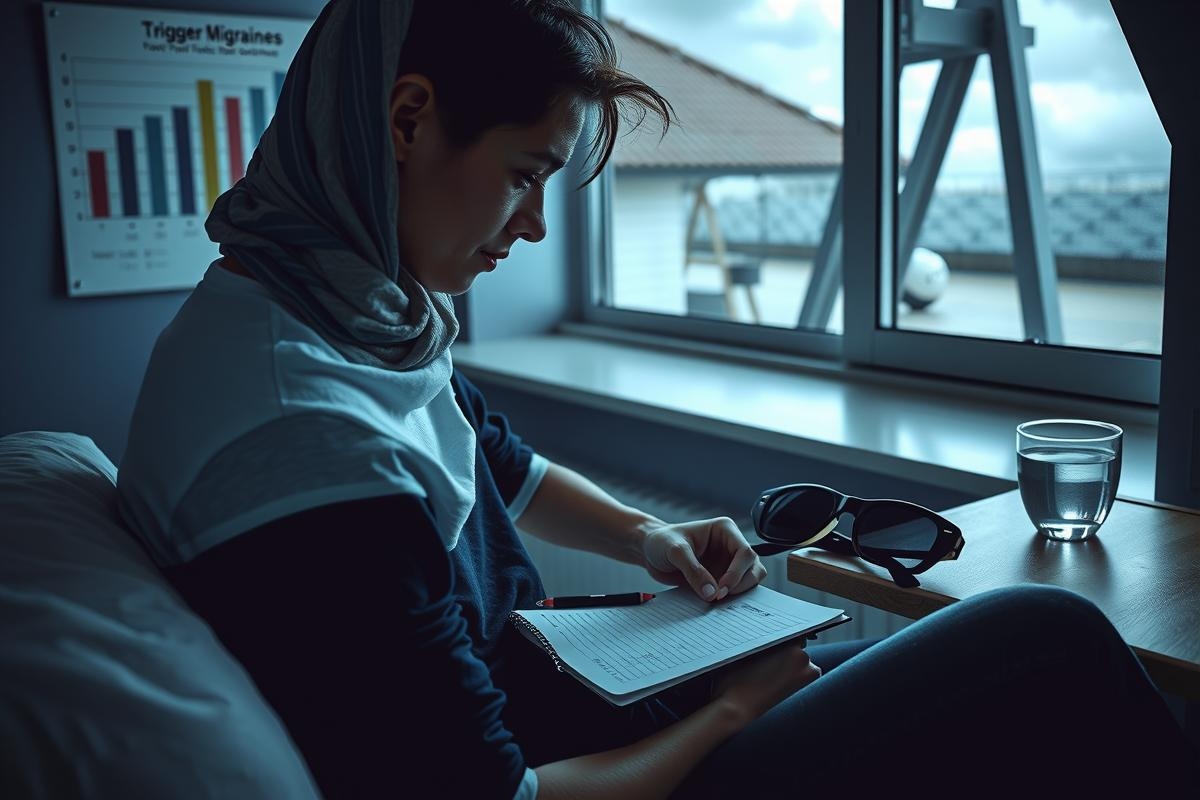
{"x": 926, "y": 278}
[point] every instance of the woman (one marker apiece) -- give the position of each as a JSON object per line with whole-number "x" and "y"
{"x": 339, "y": 503}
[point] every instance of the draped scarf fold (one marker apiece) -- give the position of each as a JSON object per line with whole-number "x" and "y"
{"x": 314, "y": 218}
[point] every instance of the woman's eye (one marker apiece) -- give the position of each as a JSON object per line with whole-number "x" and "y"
{"x": 526, "y": 180}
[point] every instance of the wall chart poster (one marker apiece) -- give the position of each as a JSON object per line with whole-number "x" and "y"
{"x": 155, "y": 114}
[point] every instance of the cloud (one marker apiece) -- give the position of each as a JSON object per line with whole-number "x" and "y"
{"x": 804, "y": 76}
{"x": 1072, "y": 44}
{"x": 687, "y": 13}
{"x": 1080, "y": 127}
{"x": 1091, "y": 107}
{"x": 788, "y": 47}
{"x": 974, "y": 149}
{"x": 1082, "y": 8}
{"x": 917, "y": 82}
{"x": 789, "y": 23}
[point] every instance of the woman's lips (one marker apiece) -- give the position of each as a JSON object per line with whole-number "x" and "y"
{"x": 492, "y": 258}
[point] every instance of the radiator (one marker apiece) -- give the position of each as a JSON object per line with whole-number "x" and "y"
{"x": 566, "y": 571}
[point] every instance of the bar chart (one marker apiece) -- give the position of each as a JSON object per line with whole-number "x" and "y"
{"x": 156, "y": 114}
{"x": 175, "y": 145}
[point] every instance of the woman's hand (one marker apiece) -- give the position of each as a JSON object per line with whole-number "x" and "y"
{"x": 753, "y": 686}
{"x": 711, "y": 556}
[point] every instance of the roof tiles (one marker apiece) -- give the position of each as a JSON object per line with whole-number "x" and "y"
{"x": 724, "y": 123}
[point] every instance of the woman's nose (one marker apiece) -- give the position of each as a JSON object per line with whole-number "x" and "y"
{"x": 529, "y": 223}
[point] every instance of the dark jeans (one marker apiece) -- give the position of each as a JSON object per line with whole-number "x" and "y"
{"x": 1025, "y": 689}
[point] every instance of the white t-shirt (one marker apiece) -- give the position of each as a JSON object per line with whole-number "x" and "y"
{"x": 247, "y": 415}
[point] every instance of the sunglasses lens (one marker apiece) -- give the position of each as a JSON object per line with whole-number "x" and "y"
{"x": 902, "y": 532}
{"x": 798, "y": 514}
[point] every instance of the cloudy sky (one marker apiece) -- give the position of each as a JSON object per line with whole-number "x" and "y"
{"x": 1092, "y": 112}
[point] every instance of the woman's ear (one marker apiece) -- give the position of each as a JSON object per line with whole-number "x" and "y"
{"x": 409, "y": 111}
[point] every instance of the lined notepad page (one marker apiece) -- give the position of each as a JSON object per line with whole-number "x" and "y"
{"x": 631, "y": 648}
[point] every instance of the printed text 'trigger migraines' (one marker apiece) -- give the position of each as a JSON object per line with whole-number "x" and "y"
{"x": 180, "y": 34}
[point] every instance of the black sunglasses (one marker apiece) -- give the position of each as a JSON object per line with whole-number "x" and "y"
{"x": 903, "y": 538}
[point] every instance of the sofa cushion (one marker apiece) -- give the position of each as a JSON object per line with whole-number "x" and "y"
{"x": 109, "y": 685}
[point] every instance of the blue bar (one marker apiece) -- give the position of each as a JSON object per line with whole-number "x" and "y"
{"x": 279, "y": 76}
{"x": 158, "y": 172}
{"x": 128, "y": 169}
{"x": 183, "y": 159}
{"x": 258, "y": 112}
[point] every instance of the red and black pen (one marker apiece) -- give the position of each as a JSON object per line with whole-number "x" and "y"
{"x": 595, "y": 600}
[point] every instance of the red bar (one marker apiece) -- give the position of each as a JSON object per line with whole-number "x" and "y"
{"x": 98, "y": 182}
{"x": 233, "y": 129}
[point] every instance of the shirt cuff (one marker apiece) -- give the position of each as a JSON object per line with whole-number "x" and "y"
{"x": 529, "y": 784}
{"x": 537, "y": 470}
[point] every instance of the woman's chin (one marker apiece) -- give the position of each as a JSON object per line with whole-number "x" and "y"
{"x": 461, "y": 286}
{"x": 453, "y": 286}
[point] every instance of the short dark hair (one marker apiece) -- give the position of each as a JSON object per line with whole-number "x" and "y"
{"x": 507, "y": 62}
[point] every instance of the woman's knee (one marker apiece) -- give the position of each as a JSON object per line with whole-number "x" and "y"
{"x": 1033, "y": 612}
{"x": 1037, "y": 602}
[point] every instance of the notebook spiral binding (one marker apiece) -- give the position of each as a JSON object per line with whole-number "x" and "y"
{"x": 541, "y": 640}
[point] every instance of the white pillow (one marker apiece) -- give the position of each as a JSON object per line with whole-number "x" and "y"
{"x": 110, "y": 686}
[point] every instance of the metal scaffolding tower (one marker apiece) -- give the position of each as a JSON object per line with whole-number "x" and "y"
{"x": 957, "y": 37}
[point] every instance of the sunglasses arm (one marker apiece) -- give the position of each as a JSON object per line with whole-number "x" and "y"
{"x": 903, "y": 577}
{"x": 840, "y": 544}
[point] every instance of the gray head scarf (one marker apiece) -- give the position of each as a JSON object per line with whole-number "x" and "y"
{"x": 314, "y": 219}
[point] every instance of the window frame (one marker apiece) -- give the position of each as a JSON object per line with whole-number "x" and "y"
{"x": 869, "y": 164}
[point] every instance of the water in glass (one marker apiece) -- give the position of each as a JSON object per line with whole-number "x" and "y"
{"x": 1068, "y": 491}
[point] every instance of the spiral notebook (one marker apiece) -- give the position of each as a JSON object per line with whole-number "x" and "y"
{"x": 627, "y": 653}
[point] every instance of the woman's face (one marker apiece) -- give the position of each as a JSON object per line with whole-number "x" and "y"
{"x": 461, "y": 210}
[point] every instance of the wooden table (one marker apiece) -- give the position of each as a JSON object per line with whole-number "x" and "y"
{"x": 1142, "y": 569}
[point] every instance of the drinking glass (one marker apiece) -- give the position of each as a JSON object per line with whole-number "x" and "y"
{"x": 1068, "y": 470}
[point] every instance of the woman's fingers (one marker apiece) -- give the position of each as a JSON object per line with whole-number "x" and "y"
{"x": 750, "y": 578}
{"x": 740, "y": 575}
{"x": 744, "y": 570}
{"x": 696, "y": 551}
{"x": 682, "y": 556}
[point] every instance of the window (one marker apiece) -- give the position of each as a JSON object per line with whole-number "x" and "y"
{"x": 1029, "y": 176}
{"x": 715, "y": 229}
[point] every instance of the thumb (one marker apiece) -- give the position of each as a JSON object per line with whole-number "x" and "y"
{"x": 683, "y": 558}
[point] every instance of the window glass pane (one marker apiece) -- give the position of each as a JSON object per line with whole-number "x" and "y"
{"x": 1074, "y": 256}
{"x": 724, "y": 217}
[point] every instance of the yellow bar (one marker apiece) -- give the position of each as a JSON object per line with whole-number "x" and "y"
{"x": 208, "y": 139}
